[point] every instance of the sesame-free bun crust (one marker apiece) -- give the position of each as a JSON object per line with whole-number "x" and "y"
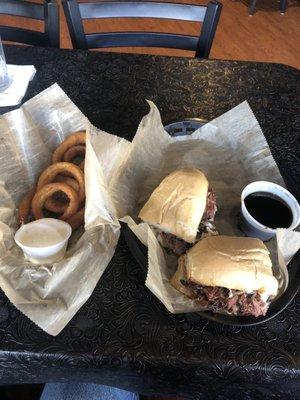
{"x": 239, "y": 263}
{"x": 177, "y": 205}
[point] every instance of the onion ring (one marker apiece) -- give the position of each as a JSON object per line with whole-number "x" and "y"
{"x": 74, "y": 151}
{"x": 51, "y": 172}
{"x": 25, "y": 207}
{"x": 68, "y": 180}
{"x": 58, "y": 206}
{"x": 48, "y": 190}
{"x": 72, "y": 140}
{"x": 77, "y": 219}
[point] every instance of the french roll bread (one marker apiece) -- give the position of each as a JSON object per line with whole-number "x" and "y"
{"x": 228, "y": 273}
{"x": 177, "y": 205}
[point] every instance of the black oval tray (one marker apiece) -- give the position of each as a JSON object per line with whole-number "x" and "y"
{"x": 140, "y": 252}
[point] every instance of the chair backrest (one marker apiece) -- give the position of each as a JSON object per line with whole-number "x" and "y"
{"x": 77, "y": 12}
{"x": 47, "y": 12}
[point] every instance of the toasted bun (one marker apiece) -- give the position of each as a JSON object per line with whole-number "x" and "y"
{"x": 177, "y": 205}
{"x": 180, "y": 275}
{"x": 232, "y": 262}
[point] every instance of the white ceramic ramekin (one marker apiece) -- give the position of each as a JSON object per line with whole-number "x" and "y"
{"x": 253, "y": 228}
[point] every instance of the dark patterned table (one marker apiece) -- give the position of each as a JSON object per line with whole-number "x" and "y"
{"x": 123, "y": 336}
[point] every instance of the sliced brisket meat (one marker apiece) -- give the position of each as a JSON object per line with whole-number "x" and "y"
{"x": 235, "y": 302}
{"x": 211, "y": 206}
{"x": 206, "y": 228}
{"x": 172, "y": 242}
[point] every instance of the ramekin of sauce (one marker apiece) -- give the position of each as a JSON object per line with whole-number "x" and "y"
{"x": 44, "y": 241}
{"x": 266, "y": 206}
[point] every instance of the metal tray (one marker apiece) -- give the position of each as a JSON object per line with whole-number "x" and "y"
{"x": 140, "y": 253}
{"x": 185, "y": 127}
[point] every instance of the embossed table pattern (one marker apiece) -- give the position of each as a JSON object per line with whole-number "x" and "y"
{"x": 123, "y": 336}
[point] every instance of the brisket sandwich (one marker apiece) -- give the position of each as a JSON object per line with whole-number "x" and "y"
{"x": 181, "y": 209}
{"x": 228, "y": 274}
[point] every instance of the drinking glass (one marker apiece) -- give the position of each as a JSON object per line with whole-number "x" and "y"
{"x": 4, "y": 77}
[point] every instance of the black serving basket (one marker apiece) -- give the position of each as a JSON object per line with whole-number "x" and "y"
{"x": 140, "y": 252}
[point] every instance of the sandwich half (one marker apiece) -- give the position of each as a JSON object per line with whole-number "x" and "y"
{"x": 181, "y": 209}
{"x": 228, "y": 274}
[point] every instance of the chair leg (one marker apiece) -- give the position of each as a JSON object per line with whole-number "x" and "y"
{"x": 252, "y": 7}
{"x": 283, "y": 6}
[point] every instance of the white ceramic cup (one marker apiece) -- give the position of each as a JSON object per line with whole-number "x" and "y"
{"x": 44, "y": 241}
{"x": 253, "y": 228}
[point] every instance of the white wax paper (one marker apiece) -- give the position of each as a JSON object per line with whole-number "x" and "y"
{"x": 50, "y": 295}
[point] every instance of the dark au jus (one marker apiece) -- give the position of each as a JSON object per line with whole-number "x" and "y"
{"x": 269, "y": 210}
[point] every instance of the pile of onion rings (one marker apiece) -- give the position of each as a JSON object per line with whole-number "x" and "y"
{"x": 59, "y": 191}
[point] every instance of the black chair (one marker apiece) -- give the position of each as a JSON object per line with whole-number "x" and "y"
{"x": 77, "y": 12}
{"x": 47, "y": 12}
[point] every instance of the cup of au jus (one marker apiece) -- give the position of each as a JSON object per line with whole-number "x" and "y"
{"x": 44, "y": 241}
{"x": 266, "y": 206}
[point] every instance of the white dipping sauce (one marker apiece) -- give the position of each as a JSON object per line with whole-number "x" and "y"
{"x": 40, "y": 236}
{"x": 44, "y": 241}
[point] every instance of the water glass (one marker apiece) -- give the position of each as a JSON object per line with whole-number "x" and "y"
{"x": 4, "y": 77}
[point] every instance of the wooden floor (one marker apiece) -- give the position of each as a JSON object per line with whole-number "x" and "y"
{"x": 267, "y": 36}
